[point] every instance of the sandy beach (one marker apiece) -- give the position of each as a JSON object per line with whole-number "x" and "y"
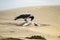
{"x": 47, "y": 16}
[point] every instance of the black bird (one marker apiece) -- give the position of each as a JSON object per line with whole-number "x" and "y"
{"x": 25, "y": 17}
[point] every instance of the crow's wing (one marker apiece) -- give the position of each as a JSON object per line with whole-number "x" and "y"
{"x": 22, "y": 16}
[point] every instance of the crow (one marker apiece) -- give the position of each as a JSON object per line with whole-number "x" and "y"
{"x": 25, "y": 17}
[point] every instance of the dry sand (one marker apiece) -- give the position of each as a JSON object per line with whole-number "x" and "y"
{"x": 47, "y": 15}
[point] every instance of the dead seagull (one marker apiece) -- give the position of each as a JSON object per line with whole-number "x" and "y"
{"x": 26, "y": 19}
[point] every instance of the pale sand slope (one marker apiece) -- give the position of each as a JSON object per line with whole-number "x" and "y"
{"x": 43, "y": 15}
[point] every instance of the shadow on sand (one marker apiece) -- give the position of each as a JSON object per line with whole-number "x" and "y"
{"x": 36, "y": 37}
{"x": 16, "y": 24}
{"x": 25, "y": 38}
{"x": 10, "y": 39}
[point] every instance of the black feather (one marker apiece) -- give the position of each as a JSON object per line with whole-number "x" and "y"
{"x": 24, "y": 16}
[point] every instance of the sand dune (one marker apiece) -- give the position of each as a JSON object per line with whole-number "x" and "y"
{"x": 49, "y": 15}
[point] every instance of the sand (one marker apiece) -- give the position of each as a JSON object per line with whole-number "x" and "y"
{"x": 47, "y": 16}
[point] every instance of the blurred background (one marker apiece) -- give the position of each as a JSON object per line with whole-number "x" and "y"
{"x": 11, "y": 4}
